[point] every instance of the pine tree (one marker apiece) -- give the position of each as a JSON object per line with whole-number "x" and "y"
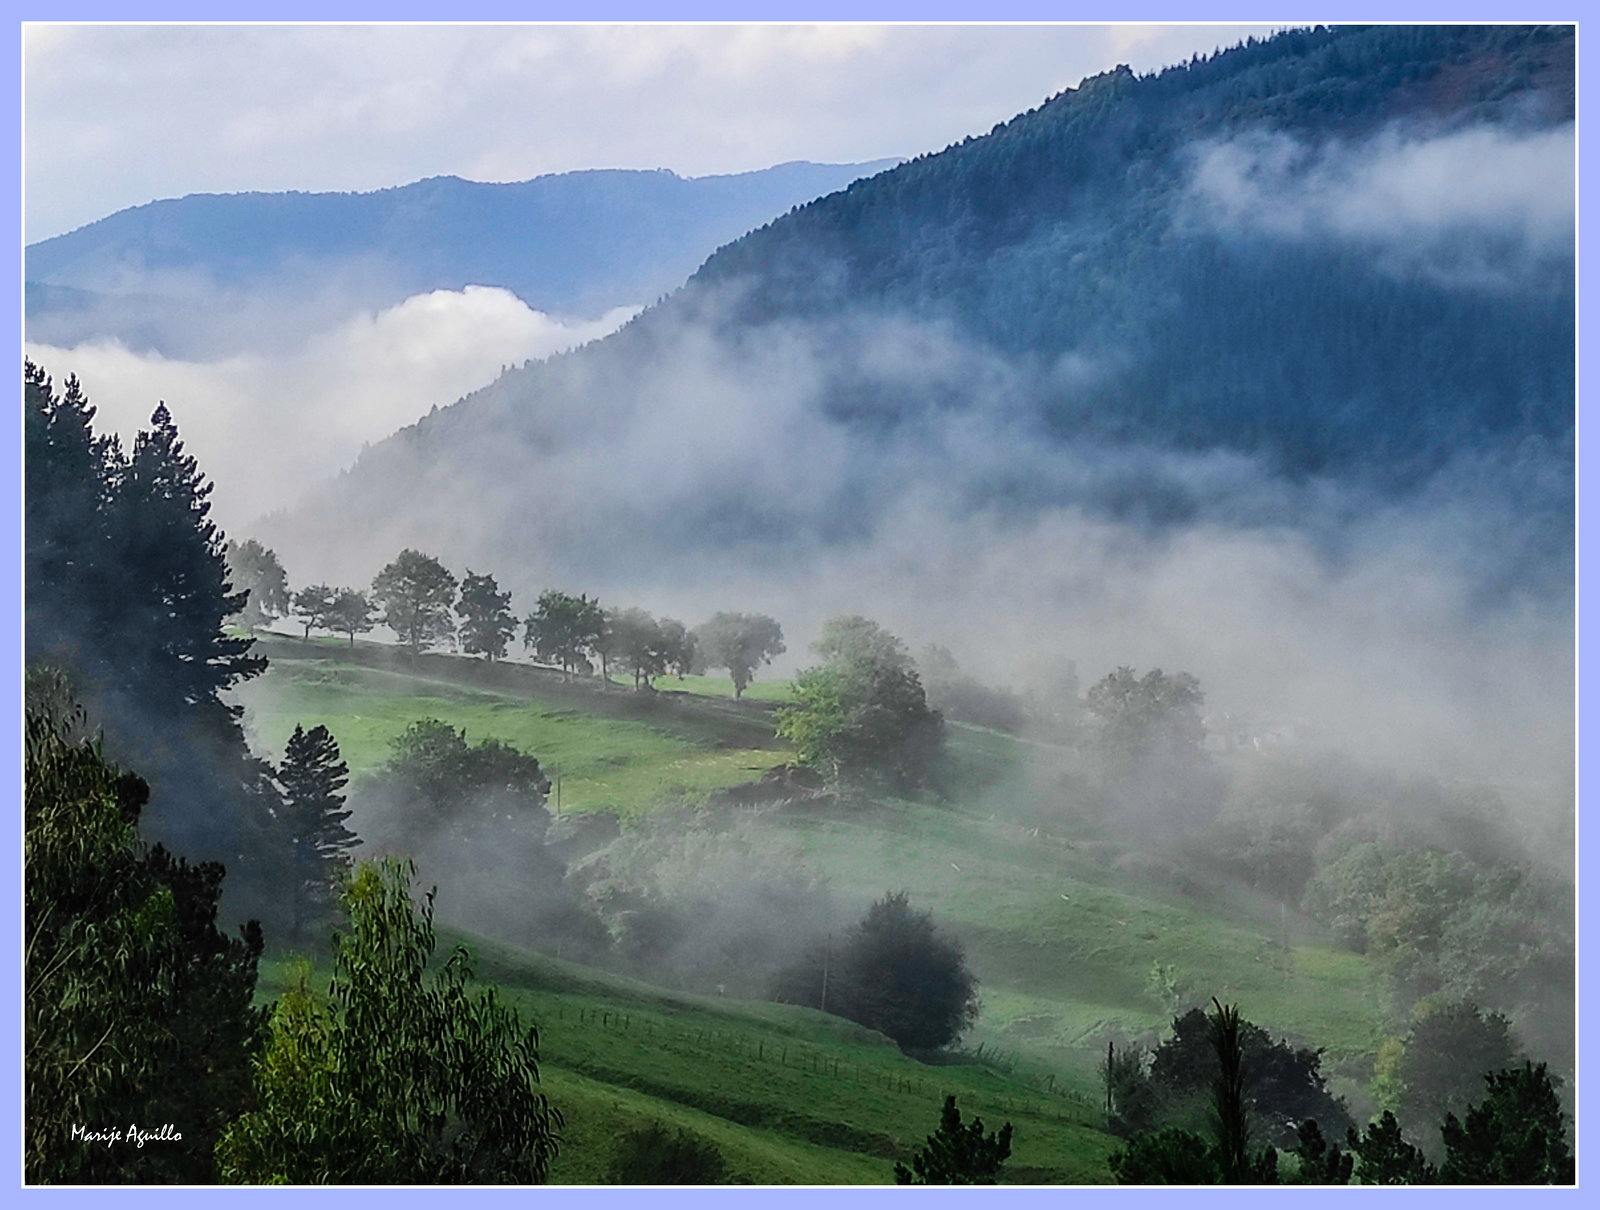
{"x": 175, "y": 578}
{"x": 487, "y": 624}
{"x": 956, "y": 1154}
{"x": 312, "y": 774}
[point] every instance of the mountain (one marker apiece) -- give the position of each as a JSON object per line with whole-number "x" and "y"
{"x": 1261, "y": 366}
{"x": 571, "y": 244}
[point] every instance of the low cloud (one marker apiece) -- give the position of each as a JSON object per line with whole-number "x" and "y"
{"x": 1484, "y": 206}
{"x": 265, "y": 426}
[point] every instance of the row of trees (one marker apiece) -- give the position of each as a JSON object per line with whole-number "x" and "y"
{"x": 419, "y": 599}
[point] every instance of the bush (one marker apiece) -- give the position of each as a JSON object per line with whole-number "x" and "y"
{"x": 895, "y": 972}
{"x": 655, "y": 1156}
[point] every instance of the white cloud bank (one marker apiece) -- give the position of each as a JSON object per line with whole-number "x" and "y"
{"x": 265, "y": 427}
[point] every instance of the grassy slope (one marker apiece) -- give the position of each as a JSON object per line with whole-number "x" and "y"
{"x": 1061, "y": 938}
{"x": 788, "y": 1094}
{"x": 611, "y": 750}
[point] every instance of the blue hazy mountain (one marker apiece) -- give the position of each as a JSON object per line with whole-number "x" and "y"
{"x": 571, "y": 244}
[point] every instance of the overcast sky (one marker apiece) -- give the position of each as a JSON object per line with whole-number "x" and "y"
{"x": 116, "y": 116}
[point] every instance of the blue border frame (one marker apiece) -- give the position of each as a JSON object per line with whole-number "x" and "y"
{"x": 728, "y": 10}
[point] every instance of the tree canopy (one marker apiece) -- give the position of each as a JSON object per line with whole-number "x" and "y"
{"x": 863, "y": 713}
{"x": 564, "y": 630}
{"x": 486, "y": 621}
{"x": 312, "y": 774}
{"x": 741, "y": 643}
{"x": 894, "y": 972}
{"x": 416, "y": 594}
{"x": 254, "y": 569}
{"x": 136, "y": 1008}
{"x": 956, "y": 1154}
{"x": 403, "y": 1074}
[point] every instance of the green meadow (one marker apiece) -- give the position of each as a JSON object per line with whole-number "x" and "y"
{"x": 1061, "y": 924}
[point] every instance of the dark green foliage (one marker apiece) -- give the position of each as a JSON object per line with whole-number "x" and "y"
{"x": 311, "y": 777}
{"x": 1516, "y": 1136}
{"x": 1448, "y": 1054}
{"x": 894, "y": 972}
{"x": 1168, "y": 1157}
{"x": 254, "y": 569}
{"x": 434, "y": 765}
{"x": 1283, "y": 1084}
{"x": 653, "y": 1155}
{"x": 127, "y": 589}
{"x": 956, "y": 1154}
{"x": 863, "y": 714}
{"x": 1132, "y": 1102}
{"x": 564, "y": 629}
{"x": 1386, "y": 1158}
{"x": 486, "y": 621}
{"x": 416, "y": 593}
{"x": 350, "y": 613}
{"x": 1176, "y": 1155}
{"x": 1319, "y": 1164}
{"x": 312, "y": 605}
{"x": 137, "y": 1010}
{"x": 741, "y": 643}
{"x": 403, "y": 1075}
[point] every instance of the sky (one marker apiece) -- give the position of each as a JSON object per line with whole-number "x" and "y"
{"x": 119, "y": 115}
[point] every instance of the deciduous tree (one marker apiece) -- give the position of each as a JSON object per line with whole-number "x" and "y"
{"x": 741, "y": 643}
{"x": 564, "y": 630}
{"x": 416, "y": 593}
{"x": 404, "y": 1074}
{"x": 254, "y": 569}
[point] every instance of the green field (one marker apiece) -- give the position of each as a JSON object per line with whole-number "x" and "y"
{"x": 1061, "y": 925}
{"x": 611, "y": 750}
{"x": 789, "y": 1095}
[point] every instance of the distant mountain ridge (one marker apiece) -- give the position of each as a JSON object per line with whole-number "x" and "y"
{"x": 577, "y": 243}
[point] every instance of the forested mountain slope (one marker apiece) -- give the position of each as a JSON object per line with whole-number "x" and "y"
{"x": 1341, "y": 252}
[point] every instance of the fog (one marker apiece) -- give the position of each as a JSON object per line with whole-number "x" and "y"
{"x": 299, "y": 405}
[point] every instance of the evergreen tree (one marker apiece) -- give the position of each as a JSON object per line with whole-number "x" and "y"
{"x": 173, "y": 582}
{"x": 127, "y": 588}
{"x": 486, "y": 621}
{"x": 956, "y": 1154}
{"x": 415, "y": 593}
{"x": 311, "y": 777}
{"x": 1386, "y": 1158}
{"x": 1516, "y": 1136}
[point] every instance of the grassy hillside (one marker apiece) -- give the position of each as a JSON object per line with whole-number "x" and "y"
{"x": 789, "y": 1095}
{"x": 615, "y": 750}
{"x": 1061, "y": 924}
